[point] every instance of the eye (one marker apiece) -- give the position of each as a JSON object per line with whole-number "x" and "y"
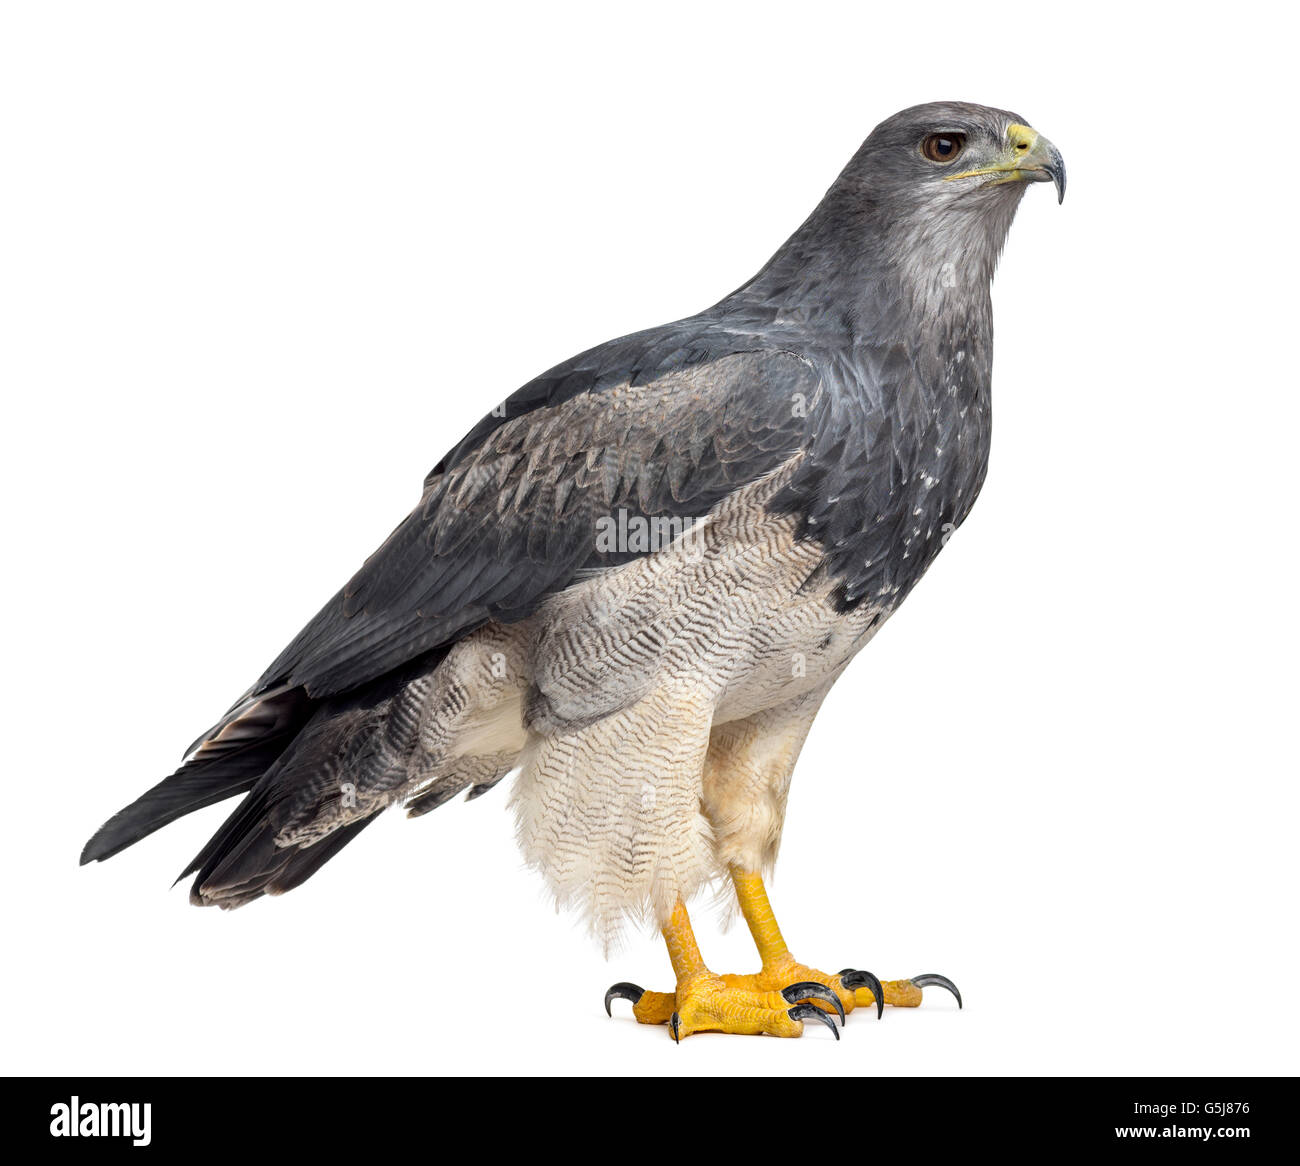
{"x": 943, "y": 147}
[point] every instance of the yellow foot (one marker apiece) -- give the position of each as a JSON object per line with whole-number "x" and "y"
{"x": 704, "y": 1002}
{"x": 773, "y": 990}
{"x": 853, "y": 988}
{"x": 775, "y": 1000}
{"x": 895, "y": 993}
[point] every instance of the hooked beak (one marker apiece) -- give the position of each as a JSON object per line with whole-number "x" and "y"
{"x": 1029, "y": 157}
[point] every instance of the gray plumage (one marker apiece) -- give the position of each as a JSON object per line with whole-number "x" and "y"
{"x": 823, "y": 427}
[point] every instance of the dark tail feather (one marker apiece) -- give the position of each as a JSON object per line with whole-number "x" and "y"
{"x": 288, "y": 754}
{"x": 345, "y": 736}
{"x": 229, "y": 763}
{"x": 255, "y": 866}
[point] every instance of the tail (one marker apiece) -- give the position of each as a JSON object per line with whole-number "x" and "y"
{"x": 228, "y": 760}
{"x": 243, "y": 861}
{"x": 315, "y": 773}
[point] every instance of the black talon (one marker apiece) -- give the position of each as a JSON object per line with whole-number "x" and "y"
{"x": 812, "y": 1012}
{"x": 675, "y": 1024}
{"x": 806, "y": 988}
{"x": 623, "y": 991}
{"x": 934, "y": 980}
{"x": 851, "y": 978}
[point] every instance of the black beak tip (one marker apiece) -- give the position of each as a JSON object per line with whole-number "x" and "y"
{"x": 1057, "y": 171}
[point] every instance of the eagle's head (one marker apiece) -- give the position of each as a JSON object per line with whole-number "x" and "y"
{"x": 915, "y": 222}
{"x": 936, "y": 187}
{"x": 948, "y": 152}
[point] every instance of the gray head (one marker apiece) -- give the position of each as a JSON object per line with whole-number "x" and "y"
{"x": 947, "y": 153}
{"x": 925, "y": 204}
{"x": 941, "y": 183}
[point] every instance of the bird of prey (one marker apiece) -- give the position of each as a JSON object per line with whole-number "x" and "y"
{"x": 635, "y": 582}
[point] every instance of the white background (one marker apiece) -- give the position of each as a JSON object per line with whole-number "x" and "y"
{"x": 264, "y": 263}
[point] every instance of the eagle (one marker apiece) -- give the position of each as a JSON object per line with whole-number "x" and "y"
{"x": 633, "y": 584}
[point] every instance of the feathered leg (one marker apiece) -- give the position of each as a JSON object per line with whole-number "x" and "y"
{"x": 746, "y": 778}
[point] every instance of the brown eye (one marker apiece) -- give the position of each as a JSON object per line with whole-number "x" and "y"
{"x": 943, "y": 147}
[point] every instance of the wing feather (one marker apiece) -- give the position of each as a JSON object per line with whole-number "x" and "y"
{"x": 661, "y": 425}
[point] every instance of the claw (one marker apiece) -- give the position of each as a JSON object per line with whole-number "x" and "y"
{"x": 623, "y": 991}
{"x": 853, "y": 979}
{"x": 934, "y": 980}
{"x": 812, "y": 1012}
{"x": 676, "y": 1024}
{"x": 809, "y": 988}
